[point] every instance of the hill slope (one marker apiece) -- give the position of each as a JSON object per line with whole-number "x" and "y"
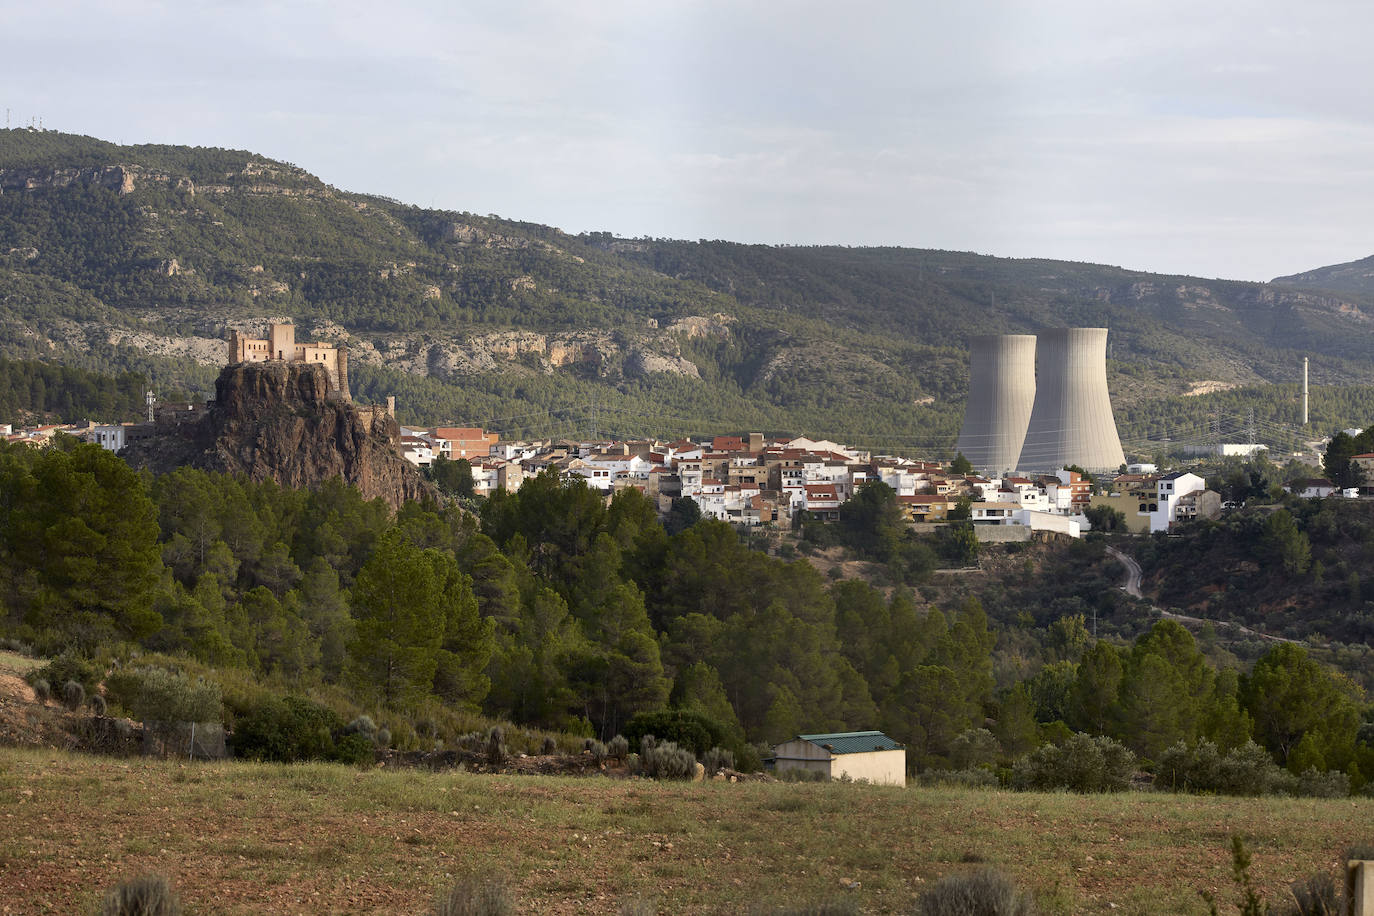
{"x": 1352, "y": 278}
{"x": 142, "y": 257}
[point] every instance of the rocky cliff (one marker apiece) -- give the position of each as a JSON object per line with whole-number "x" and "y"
{"x": 278, "y": 420}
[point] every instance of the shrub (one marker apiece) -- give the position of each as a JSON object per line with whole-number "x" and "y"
{"x": 692, "y": 731}
{"x": 475, "y": 897}
{"x": 665, "y": 760}
{"x": 291, "y": 728}
{"x": 146, "y": 895}
{"x": 550, "y": 746}
{"x": 1316, "y": 895}
{"x": 73, "y": 695}
{"x": 159, "y": 695}
{"x": 717, "y": 759}
{"x": 1249, "y": 770}
{"x": 362, "y": 725}
{"x": 1083, "y": 763}
{"x": 618, "y": 748}
{"x": 986, "y": 892}
{"x": 1313, "y": 783}
{"x": 383, "y": 737}
{"x": 42, "y": 689}
{"x": 598, "y": 751}
{"x": 97, "y": 704}
{"x": 68, "y": 666}
{"x": 496, "y": 747}
{"x": 972, "y": 748}
{"x": 354, "y": 749}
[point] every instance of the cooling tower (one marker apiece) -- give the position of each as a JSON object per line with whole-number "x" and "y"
{"x": 1001, "y": 389}
{"x": 1072, "y": 422}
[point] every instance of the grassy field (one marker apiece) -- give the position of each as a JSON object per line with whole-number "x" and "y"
{"x": 247, "y": 838}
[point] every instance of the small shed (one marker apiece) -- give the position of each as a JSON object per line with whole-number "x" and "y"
{"x": 870, "y": 756}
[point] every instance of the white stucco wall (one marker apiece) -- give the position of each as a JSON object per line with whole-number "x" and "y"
{"x": 879, "y": 767}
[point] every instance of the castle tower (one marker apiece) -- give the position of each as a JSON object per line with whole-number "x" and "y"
{"x": 1001, "y": 391}
{"x": 283, "y": 337}
{"x": 341, "y": 369}
{"x": 1072, "y": 422}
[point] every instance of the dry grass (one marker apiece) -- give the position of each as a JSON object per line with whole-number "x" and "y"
{"x": 250, "y": 838}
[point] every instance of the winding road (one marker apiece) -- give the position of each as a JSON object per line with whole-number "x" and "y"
{"x": 1132, "y": 588}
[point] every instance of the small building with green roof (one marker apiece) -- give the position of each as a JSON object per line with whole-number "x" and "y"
{"x": 870, "y": 756}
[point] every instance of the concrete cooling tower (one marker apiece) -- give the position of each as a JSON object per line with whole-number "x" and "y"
{"x": 1072, "y": 421}
{"x": 1001, "y": 389}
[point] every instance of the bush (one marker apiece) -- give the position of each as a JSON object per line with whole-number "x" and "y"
{"x": 1249, "y": 770}
{"x": 382, "y": 737}
{"x": 42, "y": 689}
{"x": 986, "y": 892}
{"x": 1083, "y": 763}
{"x": 1316, "y": 896}
{"x": 97, "y": 704}
{"x": 974, "y": 747}
{"x": 717, "y": 759}
{"x": 354, "y": 749}
{"x": 159, "y": 695}
{"x": 291, "y": 728}
{"x": 692, "y": 731}
{"x": 1313, "y": 783}
{"x": 362, "y": 725}
{"x": 618, "y": 748}
{"x": 598, "y": 751}
{"x": 68, "y": 667}
{"x": 550, "y": 746}
{"x": 146, "y": 895}
{"x": 665, "y": 760}
{"x": 73, "y": 695}
{"x": 496, "y": 747}
{"x": 475, "y": 897}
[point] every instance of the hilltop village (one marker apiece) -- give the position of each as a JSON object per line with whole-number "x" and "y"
{"x": 748, "y": 480}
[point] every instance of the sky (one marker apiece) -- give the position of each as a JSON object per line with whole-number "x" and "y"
{"x": 1217, "y": 139}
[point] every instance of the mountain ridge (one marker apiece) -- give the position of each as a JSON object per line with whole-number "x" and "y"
{"x": 142, "y": 257}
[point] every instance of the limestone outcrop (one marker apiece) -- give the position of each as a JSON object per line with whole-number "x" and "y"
{"x": 282, "y": 421}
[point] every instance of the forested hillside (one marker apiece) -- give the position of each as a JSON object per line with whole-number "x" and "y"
{"x": 555, "y": 610}
{"x": 140, "y": 258}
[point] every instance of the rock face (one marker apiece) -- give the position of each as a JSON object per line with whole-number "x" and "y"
{"x": 282, "y": 421}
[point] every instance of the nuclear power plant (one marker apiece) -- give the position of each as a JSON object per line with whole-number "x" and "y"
{"x": 1070, "y": 420}
{"x": 1001, "y": 391}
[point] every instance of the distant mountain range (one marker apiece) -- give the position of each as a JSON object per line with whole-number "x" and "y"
{"x": 143, "y": 257}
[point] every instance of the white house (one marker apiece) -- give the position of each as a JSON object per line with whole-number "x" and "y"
{"x": 110, "y": 438}
{"x": 1168, "y": 489}
{"x": 1008, "y": 513}
{"x": 1314, "y": 488}
{"x": 870, "y": 756}
{"x": 418, "y": 450}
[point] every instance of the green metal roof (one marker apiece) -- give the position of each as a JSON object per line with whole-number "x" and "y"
{"x": 853, "y": 742}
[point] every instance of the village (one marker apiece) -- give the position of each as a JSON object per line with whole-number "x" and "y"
{"x": 755, "y": 480}
{"x": 747, "y": 480}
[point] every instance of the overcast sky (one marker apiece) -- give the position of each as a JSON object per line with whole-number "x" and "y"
{"x": 1216, "y": 139}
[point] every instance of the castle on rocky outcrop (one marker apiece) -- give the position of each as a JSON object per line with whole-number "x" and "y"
{"x": 280, "y": 343}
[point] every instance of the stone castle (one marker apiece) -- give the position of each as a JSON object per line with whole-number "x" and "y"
{"x": 280, "y": 343}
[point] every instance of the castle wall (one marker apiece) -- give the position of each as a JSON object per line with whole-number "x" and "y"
{"x": 280, "y": 343}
